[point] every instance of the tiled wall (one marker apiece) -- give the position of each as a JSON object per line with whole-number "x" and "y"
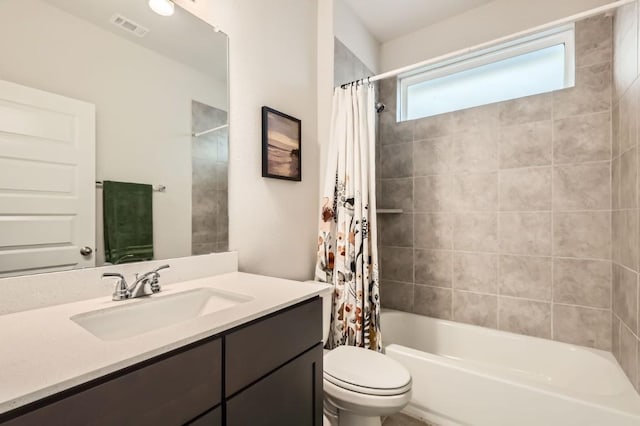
{"x": 507, "y": 207}
{"x": 625, "y": 191}
{"x": 209, "y": 195}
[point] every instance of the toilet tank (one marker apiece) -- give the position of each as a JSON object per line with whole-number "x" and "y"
{"x": 327, "y": 299}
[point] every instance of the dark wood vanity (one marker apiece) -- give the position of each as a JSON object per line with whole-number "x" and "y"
{"x": 266, "y": 372}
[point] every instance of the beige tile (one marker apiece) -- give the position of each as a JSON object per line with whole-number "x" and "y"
{"x": 395, "y": 295}
{"x": 582, "y": 282}
{"x": 396, "y": 263}
{"x": 475, "y": 192}
{"x": 434, "y": 193}
{"x": 475, "y": 232}
{"x": 592, "y": 93}
{"x": 388, "y": 94}
{"x": 594, "y": 41}
{"x": 525, "y": 189}
{"x": 481, "y": 118}
{"x": 525, "y": 317}
{"x": 525, "y": 110}
{"x": 625, "y": 296}
{"x": 475, "y": 152}
{"x": 396, "y": 161}
{"x": 393, "y": 132}
{"x": 476, "y": 272}
{"x": 638, "y": 367}
{"x": 525, "y": 233}
{"x": 477, "y": 309}
{"x": 582, "y": 187}
{"x": 582, "y": 326}
{"x": 433, "y": 127}
{"x": 628, "y": 195}
{"x": 433, "y": 301}
{"x": 396, "y": 194}
{"x": 628, "y": 130}
{"x": 525, "y": 145}
{"x": 629, "y": 354}
{"x": 625, "y": 238}
{"x": 396, "y": 230}
{"x": 433, "y": 267}
{"x": 582, "y": 138}
{"x": 615, "y": 337}
{"x": 615, "y": 130}
{"x": 432, "y": 156}
{"x": 525, "y": 276}
{"x": 615, "y": 183}
{"x": 433, "y": 231}
{"x": 582, "y": 234}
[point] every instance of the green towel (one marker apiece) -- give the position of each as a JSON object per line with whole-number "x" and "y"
{"x": 128, "y": 221}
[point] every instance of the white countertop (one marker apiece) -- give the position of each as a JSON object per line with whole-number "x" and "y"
{"x": 43, "y": 352}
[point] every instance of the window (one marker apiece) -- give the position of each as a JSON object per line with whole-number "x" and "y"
{"x": 536, "y": 64}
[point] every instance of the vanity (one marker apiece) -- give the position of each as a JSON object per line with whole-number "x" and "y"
{"x": 255, "y": 361}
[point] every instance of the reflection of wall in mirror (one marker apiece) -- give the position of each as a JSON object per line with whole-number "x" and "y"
{"x": 143, "y": 103}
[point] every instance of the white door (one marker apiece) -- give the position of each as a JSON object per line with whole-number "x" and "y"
{"x": 47, "y": 181}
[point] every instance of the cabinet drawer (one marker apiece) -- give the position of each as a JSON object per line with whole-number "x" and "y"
{"x": 257, "y": 349}
{"x": 171, "y": 391}
{"x": 290, "y": 396}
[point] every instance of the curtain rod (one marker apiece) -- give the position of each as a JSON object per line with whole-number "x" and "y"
{"x": 563, "y": 21}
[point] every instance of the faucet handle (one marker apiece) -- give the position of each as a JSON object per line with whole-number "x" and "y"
{"x": 121, "y": 291}
{"x": 155, "y": 285}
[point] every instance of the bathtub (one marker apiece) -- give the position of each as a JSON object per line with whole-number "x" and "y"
{"x": 468, "y": 375}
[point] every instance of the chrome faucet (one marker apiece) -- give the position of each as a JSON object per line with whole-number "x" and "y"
{"x": 148, "y": 280}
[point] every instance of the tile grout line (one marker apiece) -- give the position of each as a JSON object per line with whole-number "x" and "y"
{"x": 498, "y": 227}
{"x": 553, "y": 228}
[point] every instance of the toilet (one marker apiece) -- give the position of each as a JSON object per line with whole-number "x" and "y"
{"x": 360, "y": 385}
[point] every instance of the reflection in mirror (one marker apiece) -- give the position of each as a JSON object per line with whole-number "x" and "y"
{"x": 113, "y": 135}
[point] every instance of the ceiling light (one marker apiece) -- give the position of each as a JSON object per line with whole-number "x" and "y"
{"x": 162, "y": 7}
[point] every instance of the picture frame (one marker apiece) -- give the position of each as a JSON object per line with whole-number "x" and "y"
{"x": 281, "y": 145}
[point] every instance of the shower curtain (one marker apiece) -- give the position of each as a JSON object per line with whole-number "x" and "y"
{"x": 347, "y": 246}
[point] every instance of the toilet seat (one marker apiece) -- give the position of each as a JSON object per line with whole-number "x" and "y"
{"x": 365, "y": 372}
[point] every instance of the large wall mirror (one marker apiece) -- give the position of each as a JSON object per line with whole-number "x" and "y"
{"x": 113, "y": 135}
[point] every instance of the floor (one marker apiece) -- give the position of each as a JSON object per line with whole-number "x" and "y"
{"x": 403, "y": 420}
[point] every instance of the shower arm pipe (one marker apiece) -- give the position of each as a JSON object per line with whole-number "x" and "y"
{"x": 461, "y": 52}
{"x": 205, "y": 132}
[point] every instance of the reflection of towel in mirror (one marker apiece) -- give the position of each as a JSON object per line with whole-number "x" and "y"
{"x": 128, "y": 222}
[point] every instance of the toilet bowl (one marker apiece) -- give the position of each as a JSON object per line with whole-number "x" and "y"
{"x": 360, "y": 385}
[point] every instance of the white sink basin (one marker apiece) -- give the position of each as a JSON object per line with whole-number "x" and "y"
{"x": 144, "y": 315}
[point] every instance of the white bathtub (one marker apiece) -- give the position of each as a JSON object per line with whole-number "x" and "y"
{"x": 468, "y": 375}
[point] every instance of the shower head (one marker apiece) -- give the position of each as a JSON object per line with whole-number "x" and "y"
{"x": 380, "y": 107}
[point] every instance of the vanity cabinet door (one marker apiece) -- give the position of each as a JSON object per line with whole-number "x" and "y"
{"x": 170, "y": 391}
{"x": 257, "y": 349}
{"x": 290, "y": 396}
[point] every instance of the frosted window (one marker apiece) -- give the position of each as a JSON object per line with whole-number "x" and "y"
{"x": 519, "y": 76}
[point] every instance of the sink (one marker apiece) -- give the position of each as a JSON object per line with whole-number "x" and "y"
{"x": 144, "y": 315}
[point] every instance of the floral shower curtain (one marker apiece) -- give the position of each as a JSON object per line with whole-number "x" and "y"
{"x": 347, "y": 246}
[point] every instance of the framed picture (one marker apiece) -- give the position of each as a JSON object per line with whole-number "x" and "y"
{"x": 281, "y": 145}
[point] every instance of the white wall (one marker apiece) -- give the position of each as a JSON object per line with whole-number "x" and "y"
{"x": 350, "y": 30}
{"x": 485, "y": 23}
{"x": 272, "y": 223}
{"x": 143, "y": 103}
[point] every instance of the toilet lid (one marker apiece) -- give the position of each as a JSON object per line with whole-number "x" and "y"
{"x": 365, "y": 371}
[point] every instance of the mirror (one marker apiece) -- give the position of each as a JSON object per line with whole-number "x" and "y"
{"x": 113, "y": 135}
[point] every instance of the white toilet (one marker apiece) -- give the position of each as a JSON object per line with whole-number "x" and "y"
{"x": 360, "y": 385}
